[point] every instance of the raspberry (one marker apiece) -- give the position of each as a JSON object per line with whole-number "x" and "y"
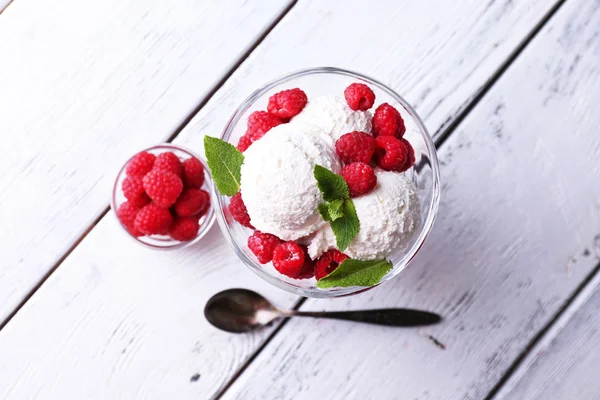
{"x": 140, "y": 164}
{"x": 193, "y": 173}
{"x": 237, "y": 208}
{"x": 184, "y": 229}
{"x": 244, "y": 143}
{"x": 263, "y": 245}
{"x": 359, "y": 97}
{"x": 163, "y": 187}
{"x": 133, "y": 189}
{"x": 387, "y": 121}
{"x": 192, "y": 202}
{"x": 168, "y": 162}
{"x": 287, "y": 103}
{"x": 126, "y": 214}
{"x": 328, "y": 262}
{"x": 259, "y": 123}
{"x": 360, "y": 178}
{"x": 355, "y": 146}
{"x": 153, "y": 220}
{"x": 390, "y": 153}
{"x": 291, "y": 260}
{"x": 410, "y": 159}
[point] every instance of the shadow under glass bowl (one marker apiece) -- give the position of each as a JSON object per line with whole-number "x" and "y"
{"x": 327, "y": 81}
{"x": 164, "y": 242}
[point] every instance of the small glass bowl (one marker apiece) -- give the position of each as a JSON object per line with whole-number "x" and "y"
{"x": 424, "y": 174}
{"x": 164, "y": 242}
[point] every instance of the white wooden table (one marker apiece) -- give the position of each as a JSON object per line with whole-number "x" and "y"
{"x": 510, "y": 89}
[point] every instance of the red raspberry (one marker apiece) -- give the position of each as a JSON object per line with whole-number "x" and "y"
{"x": 153, "y": 220}
{"x": 410, "y": 159}
{"x": 237, "y": 208}
{"x": 259, "y": 123}
{"x": 244, "y": 143}
{"x": 355, "y": 146}
{"x": 287, "y": 103}
{"x": 291, "y": 259}
{"x": 263, "y": 245}
{"x": 359, "y": 97}
{"x": 193, "y": 173}
{"x": 328, "y": 262}
{"x": 140, "y": 164}
{"x": 163, "y": 187}
{"x": 133, "y": 189}
{"x": 184, "y": 229}
{"x": 390, "y": 153}
{"x": 387, "y": 121}
{"x": 168, "y": 162}
{"x": 126, "y": 214}
{"x": 192, "y": 202}
{"x": 360, "y": 178}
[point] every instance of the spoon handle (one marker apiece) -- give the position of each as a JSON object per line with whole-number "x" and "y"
{"x": 387, "y": 316}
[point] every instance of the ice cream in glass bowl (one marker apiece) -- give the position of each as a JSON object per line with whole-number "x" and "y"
{"x": 326, "y": 182}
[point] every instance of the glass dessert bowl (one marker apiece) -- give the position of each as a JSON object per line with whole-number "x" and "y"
{"x": 185, "y": 218}
{"x": 410, "y": 194}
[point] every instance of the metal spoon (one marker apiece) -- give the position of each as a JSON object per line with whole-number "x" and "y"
{"x": 242, "y": 310}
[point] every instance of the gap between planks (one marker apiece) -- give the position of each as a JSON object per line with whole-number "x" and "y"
{"x": 442, "y": 134}
{"x": 544, "y": 332}
{"x": 4, "y": 4}
{"x": 172, "y": 137}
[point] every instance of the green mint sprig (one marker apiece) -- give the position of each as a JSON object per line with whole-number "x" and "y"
{"x": 356, "y": 273}
{"x": 338, "y": 208}
{"x": 225, "y": 163}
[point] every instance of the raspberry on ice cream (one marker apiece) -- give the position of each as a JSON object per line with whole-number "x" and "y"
{"x": 263, "y": 245}
{"x": 332, "y": 115}
{"x": 360, "y": 178}
{"x": 280, "y": 191}
{"x": 359, "y": 96}
{"x": 259, "y": 123}
{"x": 388, "y": 122}
{"x": 292, "y": 260}
{"x": 287, "y": 103}
{"x": 388, "y": 216}
{"x": 355, "y": 146}
{"x": 328, "y": 262}
{"x": 238, "y": 210}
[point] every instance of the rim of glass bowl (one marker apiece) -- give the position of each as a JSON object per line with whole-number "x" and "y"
{"x": 209, "y": 217}
{"x": 433, "y": 205}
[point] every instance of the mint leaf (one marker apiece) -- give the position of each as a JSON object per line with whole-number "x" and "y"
{"x": 225, "y": 163}
{"x": 332, "y": 186}
{"x": 332, "y": 211}
{"x": 356, "y": 273}
{"x": 336, "y": 209}
{"x": 346, "y": 227}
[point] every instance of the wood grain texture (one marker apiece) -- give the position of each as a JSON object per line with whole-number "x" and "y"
{"x": 128, "y": 321}
{"x": 519, "y": 219}
{"x": 565, "y": 363}
{"x": 82, "y": 86}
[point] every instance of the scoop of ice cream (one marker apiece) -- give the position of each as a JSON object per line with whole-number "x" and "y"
{"x": 388, "y": 217}
{"x": 332, "y": 115}
{"x": 278, "y": 184}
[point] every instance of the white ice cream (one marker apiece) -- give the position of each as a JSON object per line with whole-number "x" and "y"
{"x": 388, "y": 217}
{"x": 332, "y": 115}
{"x": 278, "y": 184}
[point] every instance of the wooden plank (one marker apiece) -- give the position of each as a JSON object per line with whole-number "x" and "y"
{"x": 514, "y": 238}
{"x": 155, "y": 299}
{"x": 4, "y": 4}
{"x": 85, "y": 84}
{"x": 565, "y": 362}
